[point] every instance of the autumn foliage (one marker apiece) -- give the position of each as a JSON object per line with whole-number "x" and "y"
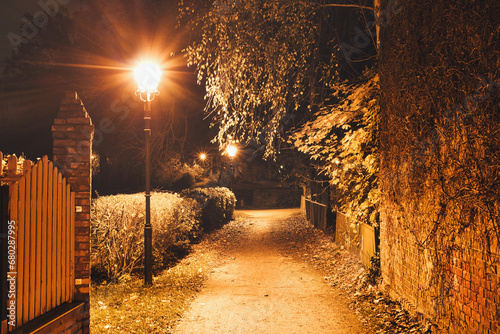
{"x": 344, "y": 139}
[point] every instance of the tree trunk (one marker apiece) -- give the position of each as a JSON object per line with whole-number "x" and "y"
{"x": 376, "y": 12}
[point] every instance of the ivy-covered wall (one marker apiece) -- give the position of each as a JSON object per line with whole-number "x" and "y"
{"x": 440, "y": 160}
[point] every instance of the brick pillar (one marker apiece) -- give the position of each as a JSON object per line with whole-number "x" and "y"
{"x": 73, "y": 133}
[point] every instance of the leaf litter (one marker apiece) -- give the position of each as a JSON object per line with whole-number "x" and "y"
{"x": 343, "y": 269}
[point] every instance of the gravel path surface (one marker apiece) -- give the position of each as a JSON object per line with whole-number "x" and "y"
{"x": 258, "y": 288}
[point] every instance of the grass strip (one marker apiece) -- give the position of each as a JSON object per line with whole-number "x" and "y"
{"x": 130, "y": 307}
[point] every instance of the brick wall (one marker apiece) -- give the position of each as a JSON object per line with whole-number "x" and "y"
{"x": 73, "y": 134}
{"x": 70, "y": 318}
{"x": 461, "y": 296}
{"x": 440, "y": 138}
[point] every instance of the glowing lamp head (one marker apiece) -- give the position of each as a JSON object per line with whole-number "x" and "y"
{"x": 148, "y": 76}
{"x": 203, "y": 156}
{"x": 231, "y": 150}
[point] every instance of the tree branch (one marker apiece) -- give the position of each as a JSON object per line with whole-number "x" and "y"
{"x": 349, "y": 5}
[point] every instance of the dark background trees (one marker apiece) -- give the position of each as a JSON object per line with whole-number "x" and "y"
{"x": 92, "y": 51}
{"x": 267, "y": 67}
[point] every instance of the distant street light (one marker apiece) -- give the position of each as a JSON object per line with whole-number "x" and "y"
{"x": 148, "y": 76}
{"x": 231, "y": 151}
{"x": 203, "y": 158}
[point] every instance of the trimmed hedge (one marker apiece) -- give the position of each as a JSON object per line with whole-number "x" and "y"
{"x": 217, "y": 205}
{"x": 117, "y": 231}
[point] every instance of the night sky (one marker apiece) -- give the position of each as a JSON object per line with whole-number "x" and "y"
{"x": 11, "y": 13}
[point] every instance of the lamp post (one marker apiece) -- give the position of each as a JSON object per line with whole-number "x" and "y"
{"x": 231, "y": 151}
{"x": 148, "y": 76}
{"x": 203, "y": 158}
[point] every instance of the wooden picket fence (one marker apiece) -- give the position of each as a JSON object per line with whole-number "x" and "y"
{"x": 42, "y": 208}
{"x": 316, "y": 213}
{"x": 367, "y": 245}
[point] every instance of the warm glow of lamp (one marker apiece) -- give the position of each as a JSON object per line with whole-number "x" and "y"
{"x": 148, "y": 76}
{"x": 231, "y": 150}
{"x": 203, "y": 156}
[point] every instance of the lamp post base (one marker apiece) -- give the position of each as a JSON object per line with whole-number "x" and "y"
{"x": 148, "y": 252}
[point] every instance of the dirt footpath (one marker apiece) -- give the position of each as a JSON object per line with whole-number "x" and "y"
{"x": 259, "y": 290}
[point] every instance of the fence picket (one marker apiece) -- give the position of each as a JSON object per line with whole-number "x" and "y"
{"x": 38, "y": 259}
{"x": 32, "y": 259}
{"x": 67, "y": 249}
{"x": 27, "y": 166}
{"x": 44, "y": 201}
{"x": 71, "y": 285}
{"x": 367, "y": 244}
{"x": 12, "y": 166}
{"x": 50, "y": 239}
{"x": 59, "y": 239}
{"x": 66, "y": 241}
{"x": 14, "y": 192}
{"x": 20, "y": 248}
{"x": 316, "y": 214}
{"x": 63, "y": 242}
{"x": 55, "y": 202}
{"x": 27, "y": 240}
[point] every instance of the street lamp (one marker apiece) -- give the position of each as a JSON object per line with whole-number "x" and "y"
{"x": 148, "y": 76}
{"x": 206, "y": 162}
{"x": 231, "y": 151}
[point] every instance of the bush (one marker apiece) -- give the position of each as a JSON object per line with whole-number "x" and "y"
{"x": 186, "y": 181}
{"x": 117, "y": 231}
{"x": 217, "y": 205}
